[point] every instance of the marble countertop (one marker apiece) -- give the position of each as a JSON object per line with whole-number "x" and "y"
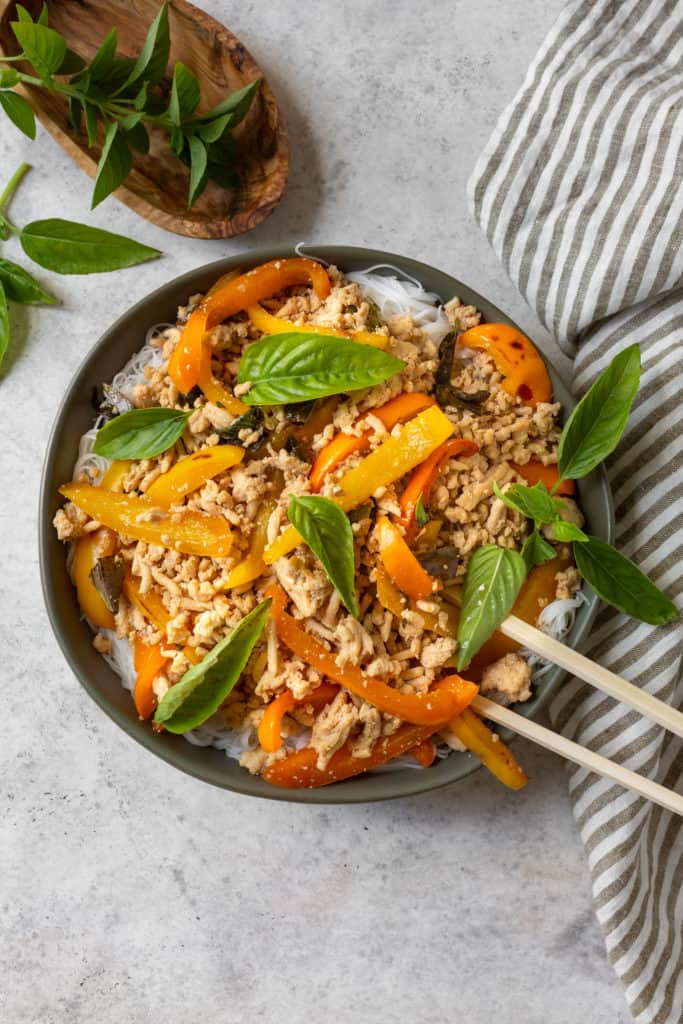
{"x": 133, "y": 894}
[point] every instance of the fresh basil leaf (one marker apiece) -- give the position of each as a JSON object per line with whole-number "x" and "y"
{"x": 532, "y": 502}
{"x": 75, "y": 114}
{"x": 198, "y": 161}
{"x": 90, "y": 114}
{"x": 70, "y": 248}
{"x": 23, "y": 15}
{"x": 114, "y": 166}
{"x": 595, "y": 426}
{"x": 141, "y": 98}
{"x": 536, "y": 550}
{"x": 421, "y": 514}
{"x": 114, "y": 79}
{"x": 493, "y": 581}
{"x": 292, "y": 367}
{"x": 22, "y": 287}
{"x": 141, "y": 433}
{"x": 138, "y": 138}
{"x": 71, "y": 64}
{"x": 176, "y": 141}
{"x": 565, "y": 532}
{"x": 237, "y": 103}
{"x": 153, "y": 58}
{"x": 185, "y": 94}
{"x": 130, "y": 121}
{"x": 19, "y": 112}
{"x": 8, "y": 78}
{"x": 251, "y": 420}
{"x": 107, "y": 576}
{"x": 4, "y": 324}
{"x": 226, "y": 177}
{"x": 621, "y": 583}
{"x": 212, "y": 131}
{"x": 203, "y": 688}
{"x": 43, "y": 16}
{"x": 44, "y": 47}
{"x": 327, "y": 531}
{"x": 103, "y": 60}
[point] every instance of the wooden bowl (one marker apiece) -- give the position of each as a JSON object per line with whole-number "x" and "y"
{"x": 157, "y": 186}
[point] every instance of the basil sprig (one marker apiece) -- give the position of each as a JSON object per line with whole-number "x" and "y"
{"x": 493, "y": 581}
{"x": 141, "y": 433}
{"x": 327, "y": 531}
{"x": 285, "y": 368}
{"x": 204, "y": 687}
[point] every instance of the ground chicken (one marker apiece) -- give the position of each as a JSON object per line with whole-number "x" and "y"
{"x": 332, "y": 728}
{"x": 507, "y": 680}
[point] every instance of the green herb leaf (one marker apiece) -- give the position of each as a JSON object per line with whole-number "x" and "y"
{"x": 90, "y": 115}
{"x": 198, "y": 161}
{"x": 185, "y": 94}
{"x": 292, "y": 367}
{"x": 155, "y": 51}
{"x": 70, "y": 248}
{"x": 536, "y": 550}
{"x": 138, "y": 138}
{"x": 621, "y": 583}
{"x": 115, "y": 163}
{"x": 44, "y": 47}
{"x": 22, "y": 287}
{"x": 237, "y": 103}
{"x": 202, "y": 690}
{"x": 141, "y": 433}
{"x": 251, "y": 420}
{"x": 565, "y": 532}
{"x": 103, "y": 60}
{"x": 493, "y": 581}
{"x": 4, "y": 324}
{"x": 44, "y": 15}
{"x": 212, "y": 131}
{"x": 421, "y": 514}
{"x": 532, "y": 502}
{"x": 75, "y": 113}
{"x": 327, "y": 531}
{"x": 226, "y": 177}
{"x": 71, "y": 64}
{"x": 19, "y": 112}
{"x": 594, "y": 428}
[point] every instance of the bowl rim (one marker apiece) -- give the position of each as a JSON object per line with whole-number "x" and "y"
{"x": 407, "y": 782}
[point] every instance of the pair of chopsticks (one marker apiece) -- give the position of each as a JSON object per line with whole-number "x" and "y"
{"x": 604, "y": 680}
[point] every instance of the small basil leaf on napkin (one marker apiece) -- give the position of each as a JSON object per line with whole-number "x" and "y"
{"x": 328, "y": 533}
{"x": 4, "y": 324}
{"x": 594, "y": 428}
{"x": 621, "y": 583}
{"x": 141, "y": 433}
{"x": 70, "y": 248}
{"x": 293, "y": 367}
{"x": 20, "y": 286}
{"x": 536, "y": 550}
{"x": 204, "y": 687}
{"x": 493, "y": 581}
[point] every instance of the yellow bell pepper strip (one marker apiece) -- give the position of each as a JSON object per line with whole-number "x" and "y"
{"x": 150, "y": 605}
{"x": 270, "y": 726}
{"x": 447, "y": 699}
{"x": 401, "y": 564}
{"x": 391, "y": 460}
{"x": 397, "y": 410}
{"x": 535, "y": 472}
{"x": 252, "y": 565}
{"x": 423, "y": 478}
{"x": 115, "y": 475}
{"x": 424, "y": 752}
{"x": 268, "y": 324}
{"x": 489, "y": 748}
{"x": 388, "y": 594}
{"x": 149, "y": 662}
{"x": 89, "y": 549}
{"x": 517, "y": 359}
{"x": 232, "y": 296}
{"x": 192, "y": 472}
{"x": 187, "y": 531}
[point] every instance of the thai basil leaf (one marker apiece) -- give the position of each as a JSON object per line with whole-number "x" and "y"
{"x": 4, "y": 324}
{"x": 595, "y": 426}
{"x": 72, "y": 63}
{"x": 185, "y": 94}
{"x": 214, "y": 130}
{"x": 22, "y": 287}
{"x": 44, "y": 47}
{"x": 19, "y": 112}
{"x": 533, "y": 502}
{"x": 536, "y": 550}
{"x": 493, "y": 581}
{"x": 198, "y": 175}
{"x": 70, "y": 248}
{"x": 141, "y": 433}
{"x": 153, "y": 58}
{"x": 237, "y": 104}
{"x": 90, "y": 115}
{"x": 138, "y": 138}
{"x": 621, "y": 583}
{"x": 75, "y": 113}
{"x": 23, "y": 15}
{"x": 203, "y": 688}
{"x": 327, "y": 531}
{"x": 103, "y": 60}
{"x": 565, "y": 532}
{"x": 114, "y": 166}
{"x": 293, "y": 367}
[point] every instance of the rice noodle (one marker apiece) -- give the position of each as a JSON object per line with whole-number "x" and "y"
{"x": 395, "y": 297}
{"x": 121, "y": 392}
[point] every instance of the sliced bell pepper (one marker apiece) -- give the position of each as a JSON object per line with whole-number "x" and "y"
{"x": 268, "y": 324}
{"x": 489, "y": 748}
{"x": 515, "y": 357}
{"x": 270, "y": 726}
{"x": 192, "y": 472}
{"x": 535, "y": 472}
{"x": 149, "y": 662}
{"x": 443, "y": 702}
{"x": 397, "y": 410}
{"x": 391, "y": 460}
{"x": 424, "y": 753}
{"x": 89, "y": 549}
{"x": 401, "y": 564}
{"x": 252, "y": 565}
{"x": 213, "y": 390}
{"x": 187, "y": 531}
{"x": 150, "y": 605}
{"x": 422, "y": 480}
{"x": 115, "y": 475}
{"x": 388, "y": 594}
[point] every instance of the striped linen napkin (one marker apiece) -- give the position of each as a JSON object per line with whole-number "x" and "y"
{"x": 580, "y": 192}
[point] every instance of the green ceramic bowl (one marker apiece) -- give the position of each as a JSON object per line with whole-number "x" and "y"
{"x": 75, "y": 416}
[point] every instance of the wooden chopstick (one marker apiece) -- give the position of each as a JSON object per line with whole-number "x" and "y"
{"x": 574, "y": 752}
{"x": 581, "y": 666}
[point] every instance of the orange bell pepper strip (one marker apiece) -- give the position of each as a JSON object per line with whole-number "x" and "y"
{"x": 270, "y": 726}
{"x": 396, "y": 410}
{"x": 268, "y": 324}
{"x": 89, "y": 549}
{"x": 232, "y": 296}
{"x": 424, "y": 753}
{"x": 401, "y": 564}
{"x": 391, "y": 460}
{"x": 149, "y": 662}
{"x": 192, "y": 472}
{"x": 439, "y": 705}
{"x": 187, "y": 531}
{"x": 422, "y": 480}
{"x": 489, "y": 748}
{"x": 535, "y": 472}
{"x": 214, "y": 391}
{"x": 517, "y": 359}
{"x": 150, "y": 605}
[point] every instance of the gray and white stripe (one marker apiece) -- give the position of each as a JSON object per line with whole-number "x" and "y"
{"x": 580, "y": 192}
